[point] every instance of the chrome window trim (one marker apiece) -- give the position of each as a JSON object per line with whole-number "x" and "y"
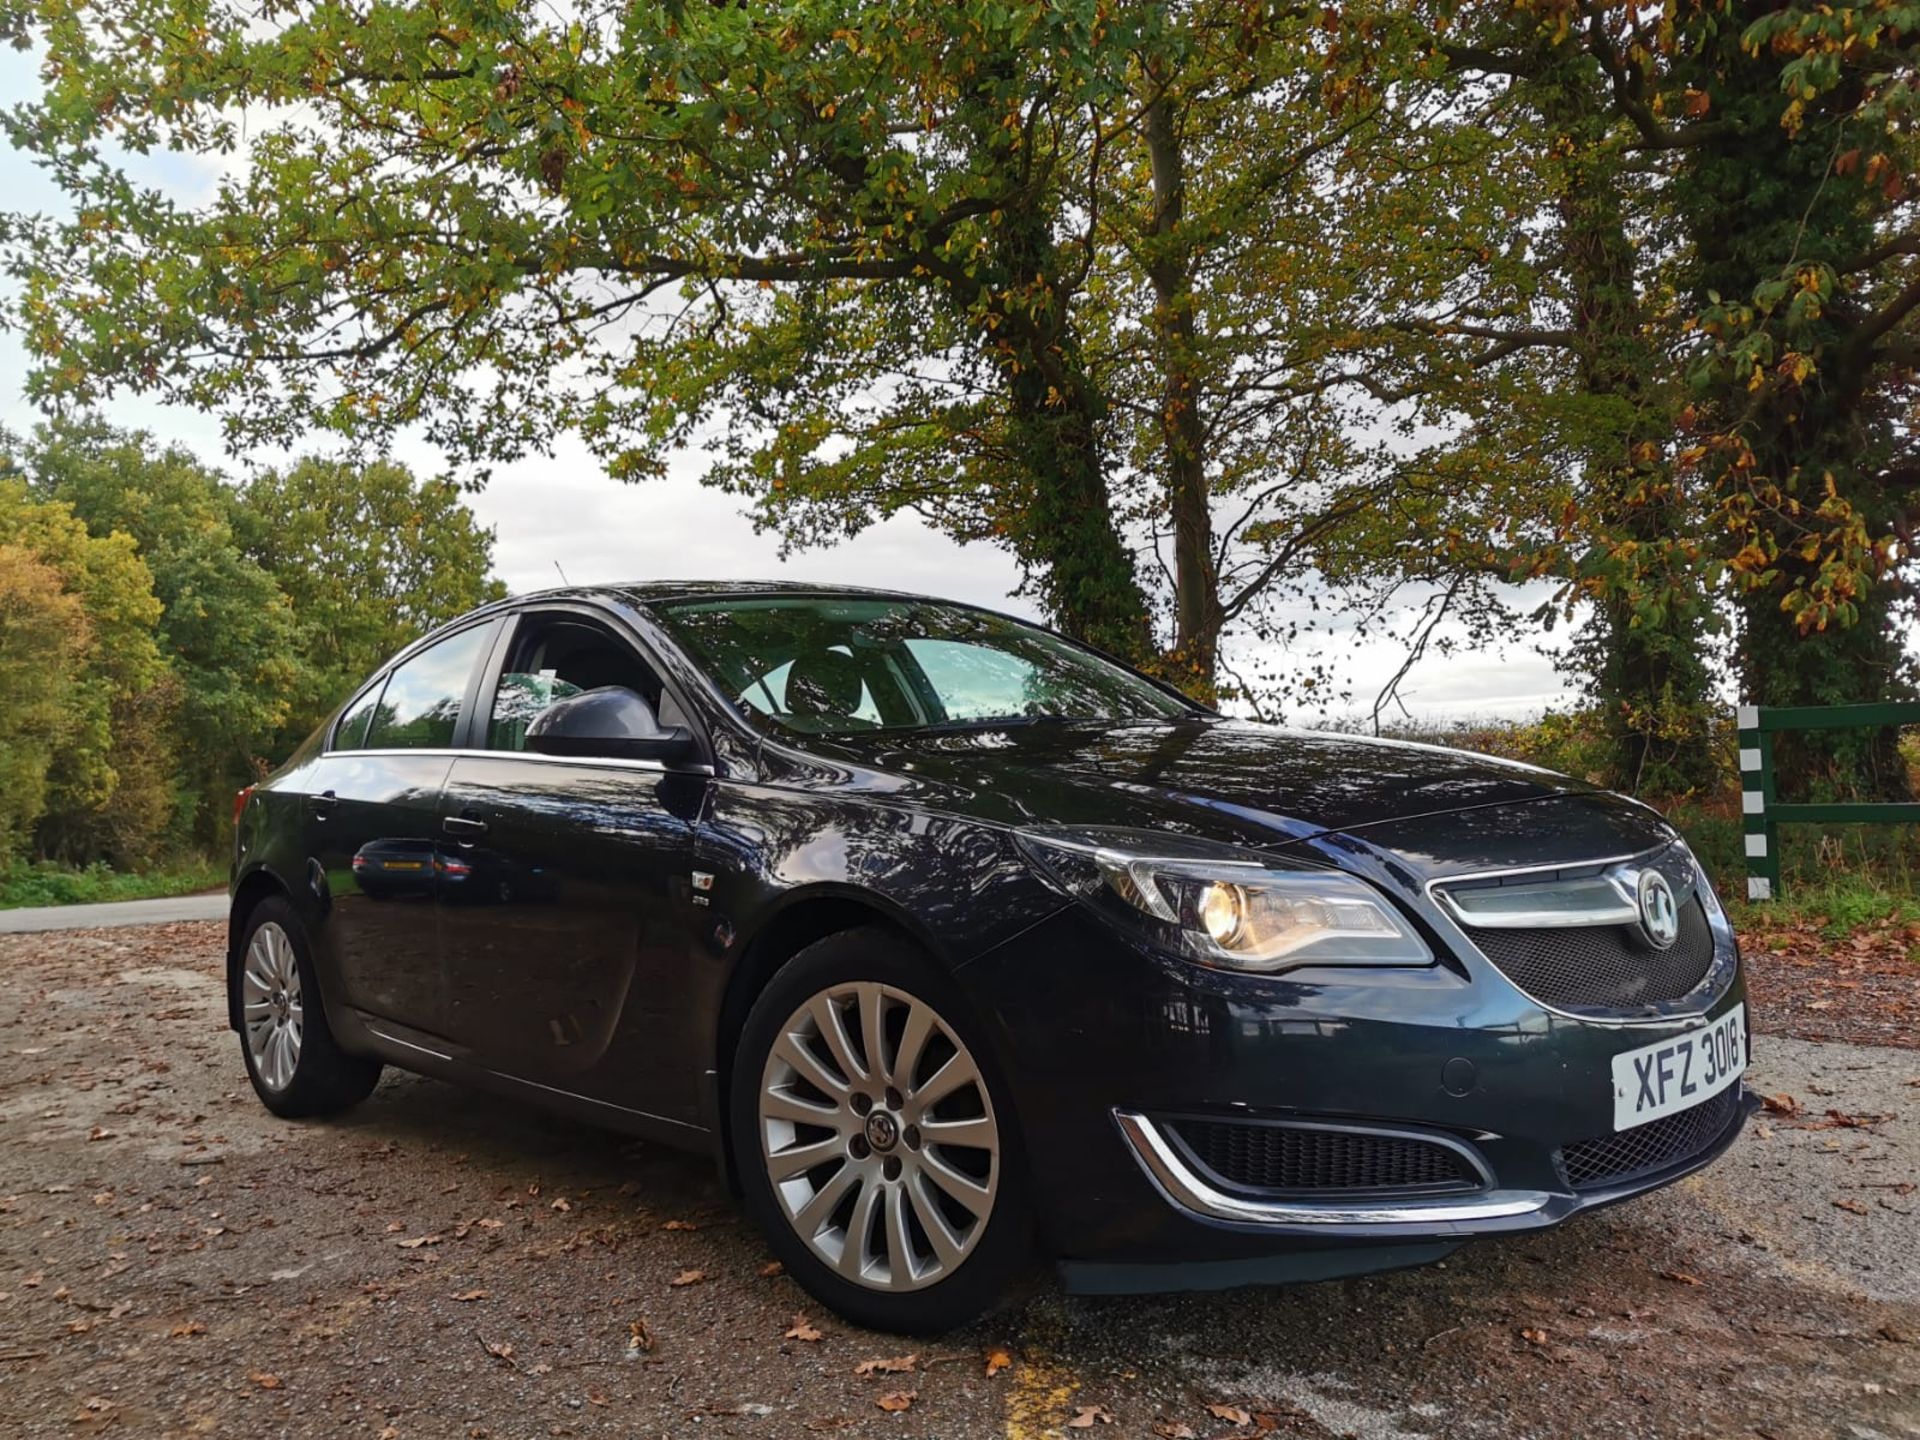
{"x": 652, "y": 767}
{"x": 1178, "y": 1182}
{"x": 1695, "y": 1005}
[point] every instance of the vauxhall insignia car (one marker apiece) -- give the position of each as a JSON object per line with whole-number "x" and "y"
{"x": 947, "y": 938}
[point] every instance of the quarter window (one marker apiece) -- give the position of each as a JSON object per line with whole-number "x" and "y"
{"x": 351, "y": 732}
{"x": 421, "y": 704}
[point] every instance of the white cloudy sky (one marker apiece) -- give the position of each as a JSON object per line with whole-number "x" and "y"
{"x": 564, "y": 510}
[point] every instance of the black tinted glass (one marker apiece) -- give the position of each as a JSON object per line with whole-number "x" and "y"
{"x": 351, "y": 732}
{"x": 840, "y": 665}
{"x": 421, "y": 704}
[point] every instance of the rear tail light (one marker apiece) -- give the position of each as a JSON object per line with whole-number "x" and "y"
{"x": 240, "y": 799}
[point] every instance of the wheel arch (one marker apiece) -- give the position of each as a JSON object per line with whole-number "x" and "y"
{"x": 258, "y": 884}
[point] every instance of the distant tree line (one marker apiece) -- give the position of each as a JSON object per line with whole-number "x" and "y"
{"x": 166, "y": 635}
{"x": 1228, "y": 318}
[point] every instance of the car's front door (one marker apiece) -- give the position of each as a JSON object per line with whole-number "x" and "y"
{"x": 372, "y": 817}
{"x": 566, "y": 910}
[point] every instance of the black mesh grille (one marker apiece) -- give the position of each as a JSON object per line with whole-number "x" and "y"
{"x": 1249, "y": 1156}
{"x": 1656, "y": 1145}
{"x": 1605, "y": 967}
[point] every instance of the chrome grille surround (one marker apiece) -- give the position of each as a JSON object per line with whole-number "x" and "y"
{"x": 1548, "y": 929}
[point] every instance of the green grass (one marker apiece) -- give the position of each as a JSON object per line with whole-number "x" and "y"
{"x": 44, "y": 883}
{"x": 1841, "y": 877}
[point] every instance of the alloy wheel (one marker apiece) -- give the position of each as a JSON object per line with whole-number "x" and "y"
{"x": 879, "y": 1136}
{"x": 270, "y": 1005}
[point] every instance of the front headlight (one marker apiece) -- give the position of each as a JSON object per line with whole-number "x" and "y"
{"x": 1224, "y": 906}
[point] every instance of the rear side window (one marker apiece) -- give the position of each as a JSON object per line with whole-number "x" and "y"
{"x": 351, "y": 732}
{"x": 421, "y": 705}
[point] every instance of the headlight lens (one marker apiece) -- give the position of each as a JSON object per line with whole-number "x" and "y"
{"x": 1224, "y": 906}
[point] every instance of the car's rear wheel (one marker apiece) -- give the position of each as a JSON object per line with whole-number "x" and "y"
{"x": 296, "y": 1065}
{"x": 874, "y": 1140}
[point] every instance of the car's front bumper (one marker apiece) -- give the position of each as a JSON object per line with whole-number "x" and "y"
{"x": 1101, "y": 1041}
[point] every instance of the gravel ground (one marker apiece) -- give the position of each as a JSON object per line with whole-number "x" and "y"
{"x": 174, "y": 1261}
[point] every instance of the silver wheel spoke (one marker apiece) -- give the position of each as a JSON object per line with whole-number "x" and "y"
{"x": 808, "y": 1067}
{"x": 913, "y": 1040}
{"x": 825, "y": 1201}
{"x": 868, "y": 999}
{"x": 946, "y": 1244}
{"x": 798, "y": 1159}
{"x": 854, "y": 1259}
{"x": 976, "y": 1197}
{"x": 980, "y": 1134}
{"x": 832, "y": 1027}
{"x": 914, "y": 1209}
{"x": 900, "y": 1261}
{"x": 950, "y": 1077}
{"x": 785, "y": 1105}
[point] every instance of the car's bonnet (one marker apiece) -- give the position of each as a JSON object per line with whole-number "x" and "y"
{"x": 1236, "y": 780}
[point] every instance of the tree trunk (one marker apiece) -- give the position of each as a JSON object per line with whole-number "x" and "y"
{"x": 1642, "y": 648}
{"x": 1198, "y": 616}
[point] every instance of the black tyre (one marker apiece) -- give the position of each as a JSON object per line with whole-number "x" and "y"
{"x": 296, "y": 1065}
{"x": 875, "y": 1140}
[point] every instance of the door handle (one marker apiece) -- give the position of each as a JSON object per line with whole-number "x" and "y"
{"x": 463, "y": 825}
{"x": 323, "y": 804}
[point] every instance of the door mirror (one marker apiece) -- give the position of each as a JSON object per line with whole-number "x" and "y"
{"x": 610, "y": 723}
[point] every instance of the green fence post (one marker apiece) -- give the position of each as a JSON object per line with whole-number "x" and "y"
{"x": 1756, "y": 803}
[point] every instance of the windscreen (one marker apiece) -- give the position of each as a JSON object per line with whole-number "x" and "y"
{"x": 838, "y": 665}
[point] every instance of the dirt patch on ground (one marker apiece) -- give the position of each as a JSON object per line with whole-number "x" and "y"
{"x": 1864, "y": 989}
{"x": 174, "y": 1261}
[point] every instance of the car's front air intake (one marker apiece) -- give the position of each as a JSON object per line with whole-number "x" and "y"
{"x": 1646, "y": 1149}
{"x": 1603, "y": 967}
{"x": 1299, "y": 1159}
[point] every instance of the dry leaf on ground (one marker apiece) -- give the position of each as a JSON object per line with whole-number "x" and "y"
{"x": 997, "y": 1360}
{"x": 1085, "y": 1417}
{"x": 894, "y": 1365}
{"x": 1232, "y": 1414}
{"x": 895, "y": 1401}
{"x": 802, "y": 1329}
{"x": 687, "y": 1277}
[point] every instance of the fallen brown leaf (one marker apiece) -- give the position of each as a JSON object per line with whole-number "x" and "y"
{"x": 265, "y": 1379}
{"x": 895, "y": 1401}
{"x": 186, "y": 1328}
{"x": 1175, "y": 1430}
{"x": 1780, "y": 1105}
{"x": 561, "y": 1205}
{"x": 418, "y": 1241}
{"x": 688, "y": 1277}
{"x": 997, "y": 1360}
{"x": 1534, "y": 1337}
{"x": 1087, "y": 1416}
{"x": 639, "y": 1338}
{"x": 680, "y": 1225}
{"x": 802, "y": 1329}
{"x": 1232, "y": 1414}
{"x": 1680, "y": 1277}
{"x": 1852, "y": 1207}
{"x": 499, "y": 1349}
{"x": 896, "y": 1365}
{"x": 469, "y": 1295}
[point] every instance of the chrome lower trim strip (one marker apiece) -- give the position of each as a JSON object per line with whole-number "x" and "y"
{"x": 1186, "y": 1189}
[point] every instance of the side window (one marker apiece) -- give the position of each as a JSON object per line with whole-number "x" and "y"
{"x": 517, "y": 703}
{"x": 557, "y": 656}
{"x": 351, "y": 732}
{"x": 421, "y": 704}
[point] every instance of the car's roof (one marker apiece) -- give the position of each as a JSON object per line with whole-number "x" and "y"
{"x": 659, "y": 592}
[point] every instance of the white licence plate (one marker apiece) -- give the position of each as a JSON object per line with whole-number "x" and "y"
{"x": 1673, "y": 1074}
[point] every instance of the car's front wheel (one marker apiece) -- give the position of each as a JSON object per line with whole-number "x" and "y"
{"x": 296, "y": 1065}
{"x": 873, "y": 1137}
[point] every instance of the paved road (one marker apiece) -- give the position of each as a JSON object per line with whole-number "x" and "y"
{"x": 210, "y": 906}
{"x": 175, "y": 1261}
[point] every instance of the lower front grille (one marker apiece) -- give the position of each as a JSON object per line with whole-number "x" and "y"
{"x": 1602, "y": 967}
{"x": 1291, "y": 1158}
{"x": 1657, "y": 1145}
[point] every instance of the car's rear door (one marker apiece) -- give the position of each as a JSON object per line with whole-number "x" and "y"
{"x": 372, "y": 804}
{"x": 567, "y": 917}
